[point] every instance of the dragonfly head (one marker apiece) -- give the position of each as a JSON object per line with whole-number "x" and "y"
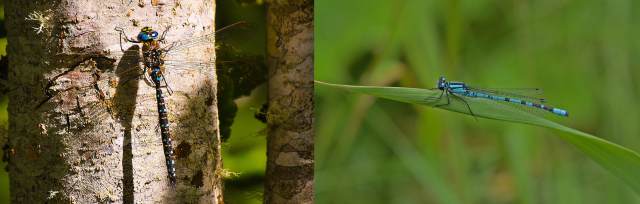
{"x": 147, "y": 33}
{"x": 441, "y": 83}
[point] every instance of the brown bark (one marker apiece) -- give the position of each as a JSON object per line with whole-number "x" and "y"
{"x": 290, "y": 156}
{"x": 77, "y": 148}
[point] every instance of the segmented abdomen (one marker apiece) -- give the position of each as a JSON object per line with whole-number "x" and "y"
{"x": 547, "y": 108}
{"x": 156, "y": 76}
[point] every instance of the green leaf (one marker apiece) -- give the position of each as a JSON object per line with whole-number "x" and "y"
{"x": 621, "y": 162}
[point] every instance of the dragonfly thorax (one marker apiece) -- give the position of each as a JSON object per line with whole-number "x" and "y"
{"x": 153, "y": 58}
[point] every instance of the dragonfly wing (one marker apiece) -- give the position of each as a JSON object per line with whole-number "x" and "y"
{"x": 233, "y": 35}
{"x": 129, "y": 62}
{"x": 126, "y": 62}
{"x": 510, "y": 93}
{"x": 189, "y": 65}
{"x": 510, "y": 108}
{"x": 237, "y": 34}
{"x": 210, "y": 65}
{"x": 112, "y": 55}
{"x": 230, "y": 65}
{"x": 515, "y": 91}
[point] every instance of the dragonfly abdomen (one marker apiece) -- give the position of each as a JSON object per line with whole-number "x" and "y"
{"x": 156, "y": 76}
{"x": 550, "y": 109}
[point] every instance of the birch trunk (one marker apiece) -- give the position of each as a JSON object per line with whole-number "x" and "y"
{"x": 77, "y": 148}
{"x": 290, "y": 156}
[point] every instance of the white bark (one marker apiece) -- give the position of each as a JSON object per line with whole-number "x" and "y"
{"x": 106, "y": 156}
{"x": 290, "y": 156}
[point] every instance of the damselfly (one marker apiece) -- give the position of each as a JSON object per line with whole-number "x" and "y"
{"x": 512, "y": 96}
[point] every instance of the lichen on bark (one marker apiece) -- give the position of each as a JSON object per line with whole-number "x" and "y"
{"x": 80, "y": 147}
{"x": 290, "y": 155}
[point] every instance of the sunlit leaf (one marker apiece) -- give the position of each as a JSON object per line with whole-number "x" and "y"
{"x": 621, "y": 162}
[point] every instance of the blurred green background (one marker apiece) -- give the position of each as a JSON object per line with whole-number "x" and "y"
{"x": 247, "y": 151}
{"x": 370, "y": 150}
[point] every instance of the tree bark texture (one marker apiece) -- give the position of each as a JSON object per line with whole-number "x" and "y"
{"x": 290, "y": 156}
{"x": 79, "y": 147}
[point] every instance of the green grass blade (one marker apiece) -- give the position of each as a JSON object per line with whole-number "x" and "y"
{"x": 621, "y": 162}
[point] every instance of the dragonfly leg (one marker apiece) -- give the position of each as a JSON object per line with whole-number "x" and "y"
{"x": 467, "y": 106}
{"x": 164, "y": 34}
{"x": 125, "y": 37}
{"x": 164, "y": 78}
{"x": 448, "y": 101}
{"x": 437, "y": 97}
{"x": 167, "y": 85}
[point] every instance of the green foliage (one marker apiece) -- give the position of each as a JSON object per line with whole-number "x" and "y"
{"x": 621, "y": 162}
{"x": 246, "y": 154}
{"x": 238, "y": 73}
{"x": 581, "y": 53}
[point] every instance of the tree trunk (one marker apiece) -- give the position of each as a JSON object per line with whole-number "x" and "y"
{"x": 290, "y": 156}
{"x": 81, "y": 147}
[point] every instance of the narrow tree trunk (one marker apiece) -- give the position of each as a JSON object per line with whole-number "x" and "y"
{"x": 290, "y": 157}
{"x": 83, "y": 148}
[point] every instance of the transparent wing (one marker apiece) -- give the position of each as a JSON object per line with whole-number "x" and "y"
{"x": 508, "y": 107}
{"x": 189, "y": 65}
{"x": 198, "y": 66}
{"x": 120, "y": 108}
{"x": 128, "y": 61}
{"x": 233, "y": 35}
{"x": 510, "y": 93}
{"x": 513, "y": 91}
{"x": 115, "y": 55}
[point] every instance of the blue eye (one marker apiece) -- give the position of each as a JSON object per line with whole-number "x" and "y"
{"x": 143, "y": 36}
{"x": 153, "y": 34}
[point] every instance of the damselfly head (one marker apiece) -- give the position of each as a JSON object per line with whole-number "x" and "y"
{"x": 441, "y": 83}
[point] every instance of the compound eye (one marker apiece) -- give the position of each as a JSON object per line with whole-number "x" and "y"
{"x": 153, "y": 34}
{"x": 142, "y": 36}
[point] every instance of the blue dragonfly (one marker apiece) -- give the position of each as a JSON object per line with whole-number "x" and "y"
{"x": 511, "y": 96}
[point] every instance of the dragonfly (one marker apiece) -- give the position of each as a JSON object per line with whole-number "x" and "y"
{"x": 226, "y": 39}
{"x": 513, "y": 97}
{"x": 156, "y": 58}
{"x": 153, "y": 58}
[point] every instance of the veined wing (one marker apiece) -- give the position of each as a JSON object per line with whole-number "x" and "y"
{"x": 508, "y": 108}
{"x": 200, "y": 66}
{"x": 513, "y": 91}
{"x": 510, "y": 93}
{"x": 116, "y": 55}
{"x": 233, "y": 35}
{"x": 128, "y": 61}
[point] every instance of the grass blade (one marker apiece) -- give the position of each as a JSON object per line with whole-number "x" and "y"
{"x": 621, "y": 162}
